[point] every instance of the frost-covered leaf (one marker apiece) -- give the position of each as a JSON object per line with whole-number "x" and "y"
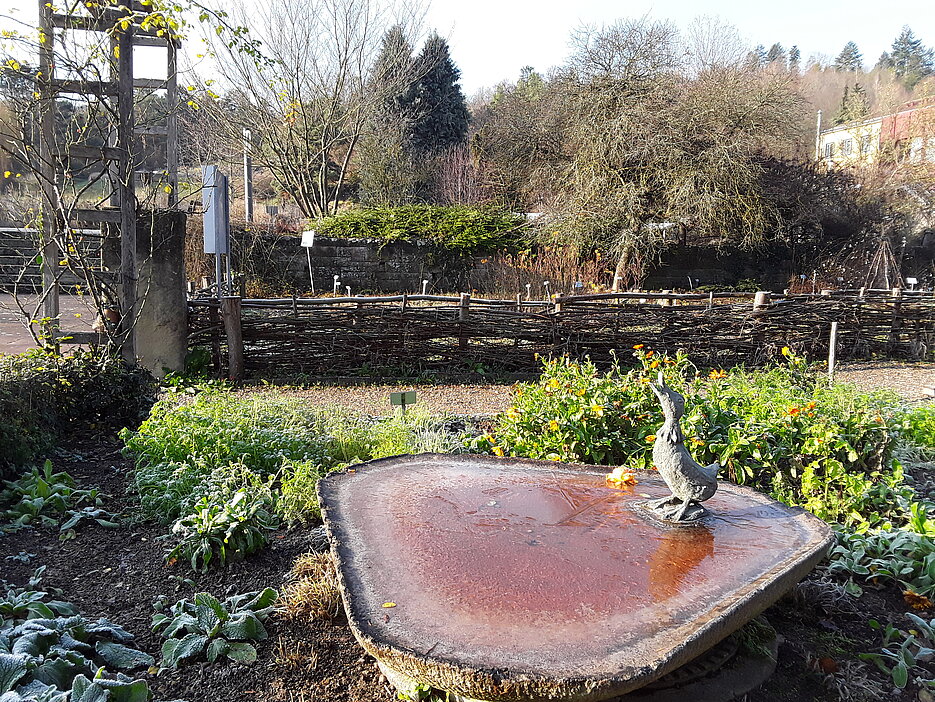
{"x": 12, "y": 668}
{"x": 241, "y": 652}
{"x": 216, "y": 649}
{"x": 246, "y": 627}
{"x": 105, "y": 629}
{"x": 174, "y": 651}
{"x": 123, "y": 657}
{"x": 210, "y": 612}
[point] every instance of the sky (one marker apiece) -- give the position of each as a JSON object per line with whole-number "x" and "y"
{"x": 491, "y": 40}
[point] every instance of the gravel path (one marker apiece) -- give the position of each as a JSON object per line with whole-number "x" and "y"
{"x": 908, "y": 380}
{"x": 438, "y": 399}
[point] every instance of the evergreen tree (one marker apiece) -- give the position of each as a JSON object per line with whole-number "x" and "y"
{"x": 854, "y": 105}
{"x": 910, "y": 59}
{"x": 776, "y": 55}
{"x": 757, "y": 57}
{"x": 795, "y": 58}
{"x": 393, "y": 78}
{"x": 850, "y": 58}
{"x": 442, "y": 116}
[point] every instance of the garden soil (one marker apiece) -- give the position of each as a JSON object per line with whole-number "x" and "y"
{"x": 118, "y": 574}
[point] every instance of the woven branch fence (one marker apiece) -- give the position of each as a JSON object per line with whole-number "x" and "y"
{"x": 406, "y": 333}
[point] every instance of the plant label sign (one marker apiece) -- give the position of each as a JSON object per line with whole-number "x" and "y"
{"x": 403, "y": 399}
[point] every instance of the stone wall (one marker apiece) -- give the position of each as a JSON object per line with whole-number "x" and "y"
{"x": 366, "y": 265}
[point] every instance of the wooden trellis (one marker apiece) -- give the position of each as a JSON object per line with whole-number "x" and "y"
{"x": 125, "y": 27}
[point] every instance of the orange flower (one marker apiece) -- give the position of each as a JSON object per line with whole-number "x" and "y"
{"x": 654, "y": 364}
{"x": 650, "y": 438}
{"x": 638, "y": 346}
{"x": 915, "y": 600}
{"x": 620, "y": 477}
{"x": 498, "y": 450}
{"x": 717, "y": 374}
{"x": 792, "y": 411}
{"x": 810, "y": 405}
{"x": 649, "y": 353}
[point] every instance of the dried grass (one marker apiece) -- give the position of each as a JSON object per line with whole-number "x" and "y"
{"x": 312, "y": 592}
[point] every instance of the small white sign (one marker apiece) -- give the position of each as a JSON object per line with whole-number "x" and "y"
{"x": 308, "y": 238}
{"x": 912, "y": 281}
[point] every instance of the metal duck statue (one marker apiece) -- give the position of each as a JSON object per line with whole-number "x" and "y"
{"x": 690, "y": 483}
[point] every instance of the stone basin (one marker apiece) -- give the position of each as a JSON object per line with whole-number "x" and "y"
{"x": 508, "y": 579}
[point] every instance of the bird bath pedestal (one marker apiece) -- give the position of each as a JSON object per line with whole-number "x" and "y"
{"x": 507, "y": 579}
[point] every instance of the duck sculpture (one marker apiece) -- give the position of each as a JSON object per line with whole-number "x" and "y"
{"x": 690, "y": 482}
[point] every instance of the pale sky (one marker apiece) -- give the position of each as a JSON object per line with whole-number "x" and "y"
{"x": 491, "y": 40}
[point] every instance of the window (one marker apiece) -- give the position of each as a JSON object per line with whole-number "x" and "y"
{"x": 829, "y": 149}
{"x": 866, "y": 144}
{"x": 847, "y": 146}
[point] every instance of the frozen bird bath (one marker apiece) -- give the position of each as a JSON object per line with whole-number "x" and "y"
{"x": 506, "y": 579}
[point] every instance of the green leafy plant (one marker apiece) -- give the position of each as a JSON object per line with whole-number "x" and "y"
{"x": 209, "y": 628}
{"x": 221, "y": 529}
{"x": 899, "y": 556}
{"x": 457, "y": 228}
{"x": 74, "y": 518}
{"x": 18, "y": 604}
{"x": 906, "y": 654}
{"x": 782, "y": 430}
{"x": 41, "y": 497}
{"x": 42, "y": 392}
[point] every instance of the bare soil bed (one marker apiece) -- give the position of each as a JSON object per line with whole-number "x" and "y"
{"x": 118, "y": 573}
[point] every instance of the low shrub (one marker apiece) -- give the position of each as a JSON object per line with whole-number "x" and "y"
{"x": 42, "y": 393}
{"x": 269, "y": 444}
{"x": 782, "y": 430}
{"x": 456, "y": 228}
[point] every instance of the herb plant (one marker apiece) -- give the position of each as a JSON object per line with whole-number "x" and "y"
{"x": 221, "y": 529}
{"x": 209, "y": 628}
{"x": 41, "y": 497}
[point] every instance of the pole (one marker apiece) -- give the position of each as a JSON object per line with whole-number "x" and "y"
{"x": 832, "y": 350}
{"x": 50, "y": 225}
{"x": 247, "y": 177}
{"x": 311, "y": 278}
{"x": 818, "y": 137}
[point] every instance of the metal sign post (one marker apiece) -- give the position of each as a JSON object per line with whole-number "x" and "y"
{"x": 308, "y": 241}
{"x": 215, "y": 202}
{"x": 403, "y": 399}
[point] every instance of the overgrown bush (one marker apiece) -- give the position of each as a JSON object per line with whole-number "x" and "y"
{"x": 273, "y": 445}
{"x": 782, "y": 430}
{"x": 41, "y": 393}
{"x": 457, "y": 228}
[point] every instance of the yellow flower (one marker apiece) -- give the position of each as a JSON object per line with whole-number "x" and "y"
{"x": 651, "y": 438}
{"x": 598, "y": 410}
{"x": 553, "y": 425}
{"x": 580, "y": 393}
{"x": 786, "y": 351}
{"x": 638, "y": 346}
{"x": 553, "y": 383}
{"x": 654, "y": 364}
{"x": 498, "y": 450}
{"x": 717, "y": 374}
{"x": 620, "y": 477}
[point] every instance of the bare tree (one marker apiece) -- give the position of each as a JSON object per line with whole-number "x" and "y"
{"x": 307, "y": 106}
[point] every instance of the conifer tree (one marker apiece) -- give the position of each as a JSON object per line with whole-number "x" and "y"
{"x": 776, "y": 55}
{"x": 795, "y": 58}
{"x": 910, "y": 59}
{"x": 854, "y": 105}
{"x": 850, "y": 58}
{"x": 441, "y": 112}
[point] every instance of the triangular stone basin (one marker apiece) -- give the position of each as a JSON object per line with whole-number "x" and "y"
{"x": 506, "y": 579}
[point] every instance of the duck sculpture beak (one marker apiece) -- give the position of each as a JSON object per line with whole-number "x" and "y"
{"x": 659, "y": 387}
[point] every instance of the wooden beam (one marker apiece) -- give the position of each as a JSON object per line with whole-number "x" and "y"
{"x": 94, "y": 216}
{"x": 230, "y": 312}
{"x": 93, "y": 152}
{"x": 50, "y": 252}
{"x": 82, "y": 87}
{"x": 122, "y": 47}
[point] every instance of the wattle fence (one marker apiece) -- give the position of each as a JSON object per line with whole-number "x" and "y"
{"x": 410, "y": 333}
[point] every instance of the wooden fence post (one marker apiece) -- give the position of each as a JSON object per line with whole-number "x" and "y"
{"x": 230, "y": 312}
{"x": 666, "y": 302}
{"x": 557, "y": 303}
{"x": 214, "y": 323}
{"x": 463, "y": 314}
